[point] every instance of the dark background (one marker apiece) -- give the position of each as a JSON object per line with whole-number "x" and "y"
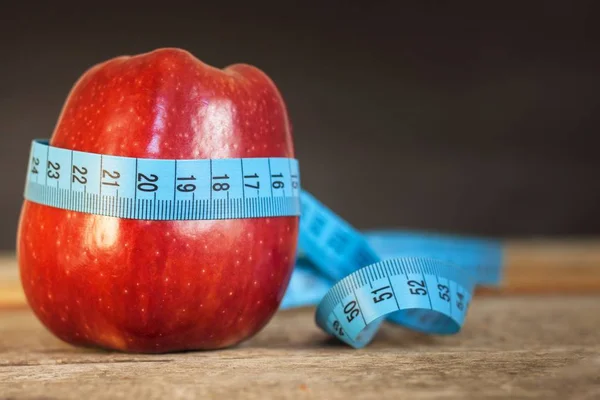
{"x": 471, "y": 117}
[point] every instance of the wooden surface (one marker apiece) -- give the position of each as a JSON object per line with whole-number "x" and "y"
{"x": 11, "y": 294}
{"x": 528, "y": 347}
{"x": 541, "y": 346}
{"x": 552, "y": 266}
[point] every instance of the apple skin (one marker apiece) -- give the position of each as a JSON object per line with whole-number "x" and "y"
{"x": 160, "y": 286}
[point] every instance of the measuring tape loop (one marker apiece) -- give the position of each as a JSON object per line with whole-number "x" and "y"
{"x": 421, "y": 293}
{"x": 424, "y": 282}
{"x": 154, "y": 189}
{"x": 421, "y": 281}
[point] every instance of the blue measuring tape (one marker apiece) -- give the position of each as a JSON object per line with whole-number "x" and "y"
{"x": 421, "y": 281}
{"x": 155, "y": 189}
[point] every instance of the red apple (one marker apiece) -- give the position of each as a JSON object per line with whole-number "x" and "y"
{"x": 157, "y": 286}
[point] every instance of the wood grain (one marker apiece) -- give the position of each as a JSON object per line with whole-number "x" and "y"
{"x": 11, "y": 294}
{"x": 552, "y": 266}
{"x": 511, "y": 347}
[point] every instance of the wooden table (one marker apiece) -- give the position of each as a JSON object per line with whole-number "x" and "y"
{"x": 540, "y": 346}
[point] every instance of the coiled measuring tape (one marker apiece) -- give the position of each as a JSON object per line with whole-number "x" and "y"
{"x": 421, "y": 281}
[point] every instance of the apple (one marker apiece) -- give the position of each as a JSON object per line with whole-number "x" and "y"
{"x": 159, "y": 286}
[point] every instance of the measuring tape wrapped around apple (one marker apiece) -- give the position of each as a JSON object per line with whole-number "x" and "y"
{"x": 421, "y": 281}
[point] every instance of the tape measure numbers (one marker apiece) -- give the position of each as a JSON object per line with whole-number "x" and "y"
{"x": 421, "y": 281}
{"x": 428, "y": 288}
{"x": 155, "y": 189}
{"x": 419, "y": 293}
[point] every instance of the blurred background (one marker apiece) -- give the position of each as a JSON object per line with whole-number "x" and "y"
{"x": 469, "y": 117}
